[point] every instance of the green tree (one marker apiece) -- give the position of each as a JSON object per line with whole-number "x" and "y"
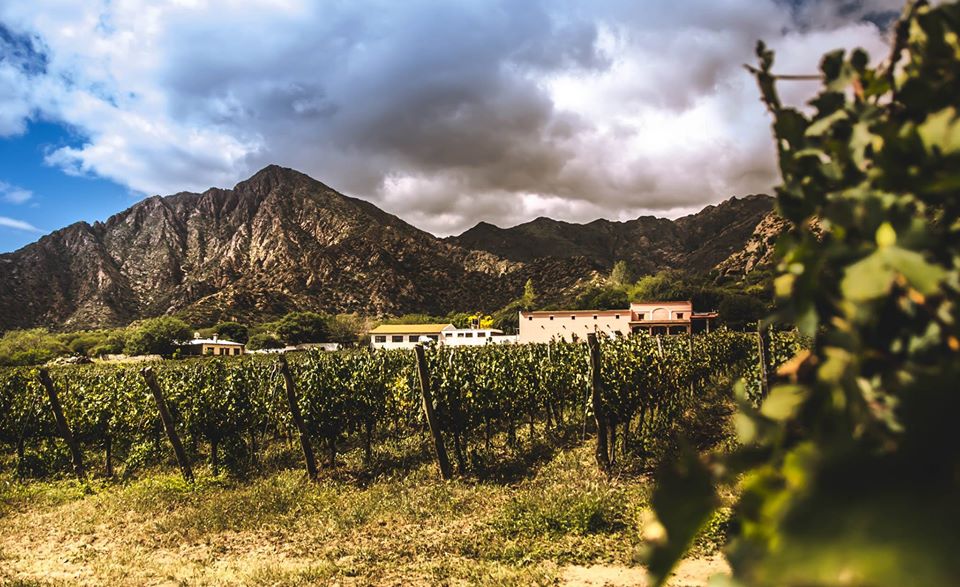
{"x": 232, "y": 331}
{"x": 346, "y": 328}
{"x": 668, "y": 285}
{"x": 113, "y": 343}
{"x": 157, "y": 336}
{"x": 848, "y": 473}
{"x": 597, "y": 297}
{"x": 458, "y": 319}
{"x": 264, "y": 340}
{"x": 740, "y": 312}
{"x": 529, "y": 298}
{"x": 302, "y": 327}
{"x": 620, "y": 275}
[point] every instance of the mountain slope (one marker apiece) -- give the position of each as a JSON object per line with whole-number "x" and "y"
{"x": 697, "y": 242}
{"x": 283, "y": 241}
{"x": 275, "y": 242}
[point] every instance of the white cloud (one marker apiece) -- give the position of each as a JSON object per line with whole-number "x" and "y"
{"x": 13, "y": 194}
{"x": 444, "y": 113}
{"x": 18, "y": 224}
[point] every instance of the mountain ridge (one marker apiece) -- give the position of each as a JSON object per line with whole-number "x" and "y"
{"x": 282, "y": 241}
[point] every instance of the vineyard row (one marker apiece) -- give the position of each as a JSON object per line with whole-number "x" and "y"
{"x": 236, "y": 406}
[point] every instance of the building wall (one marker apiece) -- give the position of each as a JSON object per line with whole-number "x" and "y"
{"x": 452, "y": 337}
{"x": 221, "y": 350}
{"x": 661, "y": 311}
{"x": 556, "y": 325}
{"x": 407, "y": 341}
{"x": 665, "y": 317}
{"x": 469, "y": 336}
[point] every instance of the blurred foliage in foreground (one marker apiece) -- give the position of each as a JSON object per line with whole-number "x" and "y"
{"x": 850, "y": 469}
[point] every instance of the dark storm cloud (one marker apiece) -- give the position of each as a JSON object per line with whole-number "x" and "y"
{"x": 446, "y": 113}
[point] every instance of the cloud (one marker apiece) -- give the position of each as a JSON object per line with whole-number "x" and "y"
{"x": 444, "y": 113}
{"x": 18, "y": 225}
{"x": 13, "y": 194}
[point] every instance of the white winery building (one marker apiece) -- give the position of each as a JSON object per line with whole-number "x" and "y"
{"x": 406, "y": 336}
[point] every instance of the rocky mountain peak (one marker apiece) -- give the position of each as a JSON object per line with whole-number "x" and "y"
{"x": 282, "y": 241}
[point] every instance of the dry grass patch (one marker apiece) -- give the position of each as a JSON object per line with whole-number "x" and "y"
{"x": 280, "y": 530}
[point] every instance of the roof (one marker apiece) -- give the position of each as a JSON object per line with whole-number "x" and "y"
{"x": 577, "y": 312}
{"x": 213, "y": 341}
{"x": 661, "y": 303}
{"x": 410, "y": 328}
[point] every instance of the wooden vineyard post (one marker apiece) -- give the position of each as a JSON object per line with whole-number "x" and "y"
{"x": 763, "y": 349}
{"x": 442, "y": 460}
{"x": 62, "y": 426}
{"x": 602, "y": 454}
{"x": 181, "y": 455}
{"x": 294, "y": 405}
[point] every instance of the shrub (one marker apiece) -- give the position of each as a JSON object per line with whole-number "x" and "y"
{"x": 157, "y": 336}
{"x": 302, "y": 327}
{"x": 232, "y": 331}
{"x": 30, "y": 347}
{"x": 264, "y": 340}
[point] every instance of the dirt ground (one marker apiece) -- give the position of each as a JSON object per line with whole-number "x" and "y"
{"x": 565, "y": 525}
{"x": 34, "y": 552}
{"x": 689, "y": 573}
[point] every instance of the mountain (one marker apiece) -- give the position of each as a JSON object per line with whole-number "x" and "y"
{"x": 283, "y": 241}
{"x": 696, "y": 243}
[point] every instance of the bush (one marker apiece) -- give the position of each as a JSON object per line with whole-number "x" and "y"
{"x": 30, "y": 347}
{"x": 302, "y": 327}
{"x": 346, "y": 328}
{"x": 157, "y": 336}
{"x": 741, "y": 312}
{"x": 602, "y": 298}
{"x": 550, "y": 512}
{"x": 232, "y": 331}
{"x": 264, "y": 340}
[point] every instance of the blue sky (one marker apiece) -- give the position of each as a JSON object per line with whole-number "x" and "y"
{"x": 48, "y": 198}
{"x": 444, "y": 113}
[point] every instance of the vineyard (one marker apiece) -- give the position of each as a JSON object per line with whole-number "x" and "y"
{"x": 231, "y": 411}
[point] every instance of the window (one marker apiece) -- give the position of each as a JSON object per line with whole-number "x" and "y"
{"x": 379, "y": 338}
{"x": 530, "y": 318}
{"x": 236, "y": 351}
{"x": 679, "y": 315}
{"x": 208, "y": 350}
{"x": 413, "y": 338}
{"x": 396, "y": 338}
{"x": 617, "y": 317}
{"x": 594, "y": 316}
{"x": 433, "y": 337}
{"x": 448, "y": 334}
{"x": 573, "y": 317}
{"x": 469, "y": 335}
{"x": 551, "y": 317}
{"x": 641, "y": 316}
{"x": 481, "y": 335}
{"x": 459, "y": 335}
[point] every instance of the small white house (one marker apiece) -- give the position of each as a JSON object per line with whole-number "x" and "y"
{"x": 475, "y": 337}
{"x": 406, "y": 336}
{"x": 214, "y": 346}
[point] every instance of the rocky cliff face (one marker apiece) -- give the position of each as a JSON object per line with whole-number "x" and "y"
{"x": 282, "y": 241}
{"x": 695, "y": 243}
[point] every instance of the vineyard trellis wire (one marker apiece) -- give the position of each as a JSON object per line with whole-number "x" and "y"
{"x": 235, "y": 407}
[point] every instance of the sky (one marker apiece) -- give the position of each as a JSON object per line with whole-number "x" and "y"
{"x": 444, "y": 112}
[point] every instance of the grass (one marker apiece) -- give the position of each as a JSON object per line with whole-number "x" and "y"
{"x": 401, "y": 526}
